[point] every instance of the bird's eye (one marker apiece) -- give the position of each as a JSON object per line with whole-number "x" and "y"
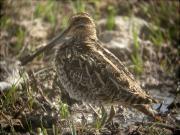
{"x": 75, "y": 20}
{"x": 78, "y": 19}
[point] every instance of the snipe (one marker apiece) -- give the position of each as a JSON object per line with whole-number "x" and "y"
{"x": 90, "y": 73}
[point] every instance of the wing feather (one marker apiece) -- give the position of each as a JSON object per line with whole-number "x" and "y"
{"x": 120, "y": 66}
{"x": 105, "y": 81}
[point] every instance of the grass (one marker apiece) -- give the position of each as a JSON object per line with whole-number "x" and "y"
{"x": 78, "y": 6}
{"x": 136, "y": 55}
{"x": 5, "y": 22}
{"x": 156, "y": 36}
{"x": 29, "y": 125}
{"x": 43, "y": 130}
{"x": 73, "y": 129}
{"x": 138, "y": 64}
{"x": 64, "y": 112}
{"x": 164, "y": 15}
{"x": 110, "y": 24}
{"x": 20, "y": 35}
{"x": 12, "y": 95}
{"x": 47, "y": 11}
{"x": 100, "y": 122}
{"x": 64, "y": 22}
{"x": 55, "y": 129}
{"x": 164, "y": 29}
{"x": 31, "y": 102}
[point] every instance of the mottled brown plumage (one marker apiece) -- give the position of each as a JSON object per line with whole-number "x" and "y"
{"x": 90, "y": 73}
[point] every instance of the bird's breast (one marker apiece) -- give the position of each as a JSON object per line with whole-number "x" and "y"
{"x": 66, "y": 63}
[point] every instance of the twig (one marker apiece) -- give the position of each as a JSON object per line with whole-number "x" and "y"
{"x": 95, "y": 112}
{"x": 7, "y": 119}
{"x": 35, "y": 121}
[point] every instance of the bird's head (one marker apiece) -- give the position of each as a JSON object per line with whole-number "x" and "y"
{"x": 81, "y": 26}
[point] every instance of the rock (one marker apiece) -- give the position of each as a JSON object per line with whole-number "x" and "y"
{"x": 10, "y": 74}
{"x": 121, "y": 40}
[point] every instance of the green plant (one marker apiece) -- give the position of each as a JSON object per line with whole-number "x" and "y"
{"x": 29, "y": 125}
{"x": 110, "y": 24}
{"x": 156, "y": 36}
{"x": 138, "y": 64}
{"x": 136, "y": 56}
{"x": 64, "y": 22}
{"x": 11, "y": 96}
{"x": 47, "y": 11}
{"x": 78, "y": 6}
{"x": 44, "y": 131}
{"x": 31, "y": 102}
{"x": 5, "y": 22}
{"x": 164, "y": 29}
{"x": 73, "y": 129}
{"x": 165, "y": 15}
{"x": 64, "y": 112}
{"x": 31, "y": 99}
{"x": 55, "y": 129}
{"x": 20, "y": 35}
{"x": 100, "y": 122}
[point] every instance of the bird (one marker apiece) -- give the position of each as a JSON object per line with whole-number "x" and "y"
{"x": 90, "y": 73}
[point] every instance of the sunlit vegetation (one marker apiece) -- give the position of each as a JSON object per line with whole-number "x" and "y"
{"x": 110, "y": 24}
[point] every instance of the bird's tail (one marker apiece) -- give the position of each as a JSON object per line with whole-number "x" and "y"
{"x": 139, "y": 99}
{"x": 147, "y": 110}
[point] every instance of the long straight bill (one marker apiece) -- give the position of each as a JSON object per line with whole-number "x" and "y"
{"x": 49, "y": 45}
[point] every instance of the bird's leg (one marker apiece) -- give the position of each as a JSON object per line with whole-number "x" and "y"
{"x": 111, "y": 114}
{"x": 65, "y": 98}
